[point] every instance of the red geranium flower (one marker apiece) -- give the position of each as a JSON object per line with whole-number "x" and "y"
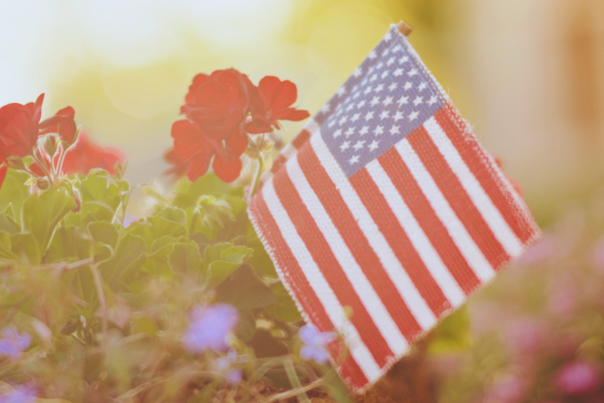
{"x": 179, "y": 166}
{"x": 19, "y": 127}
{"x": 3, "y": 170}
{"x": 85, "y": 155}
{"x": 62, "y": 123}
{"x": 273, "y": 103}
{"x": 219, "y": 104}
{"x": 193, "y": 147}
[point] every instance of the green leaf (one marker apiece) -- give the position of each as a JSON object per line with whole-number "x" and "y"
{"x": 128, "y": 257}
{"x": 163, "y": 242}
{"x": 67, "y": 245}
{"x": 221, "y": 260}
{"x": 26, "y": 247}
{"x": 245, "y": 290}
{"x": 260, "y": 260}
{"x": 284, "y": 308}
{"x": 246, "y": 326}
{"x": 174, "y": 214}
{"x": 14, "y": 191}
{"x": 187, "y": 193}
{"x": 336, "y": 388}
{"x": 104, "y": 232}
{"x": 41, "y": 214}
{"x": 6, "y": 246}
{"x": 156, "y": 227}
{"x": 185, "y": 257}
{"x": 8, "y": 224}
{"x": 157, "y": 263}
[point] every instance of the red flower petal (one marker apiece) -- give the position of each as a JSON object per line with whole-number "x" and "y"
{"x": 211, "y": 96}
{"x": 85, "y": 155}
{"x": 285, "y": 96}
{"x": 62, "y": 123}
{"x": 258, "y": 126}
{"x": 3, "y": 170}
{"x": 236, "y": 144}
{"x": 188, "y": 140}
{"x": 294, "y": 115}
{"x": 198, "y": 166}
{"x": 198, "y": 80}
{"x": 179, "y": 166}
{"x": 227, "y": 170}
{"x": 19, "y": 128}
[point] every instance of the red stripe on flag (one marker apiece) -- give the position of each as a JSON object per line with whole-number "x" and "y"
{"x": 301, "y": 139}
{"x": 329, "y": 266}
{"x": 347, "y": 226}
{"x": 278, "y": 163}
{"x": 434, "y": 229}
{"x": 476, "y": 160}
{"x": 295, "y": 278}
{"x": 458, "y": 199}
{"x": 397, "y": 238}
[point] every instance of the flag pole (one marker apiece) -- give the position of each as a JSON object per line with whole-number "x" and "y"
{"x": 404, "y": 28}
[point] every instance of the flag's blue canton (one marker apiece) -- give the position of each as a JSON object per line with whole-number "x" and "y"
{"x": 388, "y": 97}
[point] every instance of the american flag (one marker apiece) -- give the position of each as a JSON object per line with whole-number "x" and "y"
{"x": 386, "y": 206}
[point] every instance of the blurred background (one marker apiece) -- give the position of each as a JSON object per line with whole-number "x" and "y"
{"x": 528, "y": 74}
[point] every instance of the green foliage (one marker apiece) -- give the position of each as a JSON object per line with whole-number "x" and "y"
{"x": 107, "y": 304}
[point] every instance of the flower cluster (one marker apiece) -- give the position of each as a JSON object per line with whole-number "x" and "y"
{"x": 210, "y": 328}
{"x": 13, "y": 343}
{"x": 49, "y": 148}
{"x": 222, "y": 110}
{"x": 315, "y": 344}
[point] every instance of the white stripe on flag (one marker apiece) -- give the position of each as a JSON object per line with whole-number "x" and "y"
{"x": 370, "y": 299}
{"x": 490, "y": 213}
{"x": 393, "y": 267}
{"x": 418, "y": 238}
{"x": 317, "y": 281}
{"x": 464, "y": 242}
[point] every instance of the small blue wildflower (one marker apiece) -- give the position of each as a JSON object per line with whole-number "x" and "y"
{"x": 209, "y": 328}
{"x": 232, "y": 376}
{"x": 12, "y": 344}
{"x": 315, "y": 343}
{"x": 20, "y": 394}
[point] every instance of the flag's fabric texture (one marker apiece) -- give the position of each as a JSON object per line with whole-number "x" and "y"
{"x": 386, "y": 206}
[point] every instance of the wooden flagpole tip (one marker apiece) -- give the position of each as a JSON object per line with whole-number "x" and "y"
{"x": 404, "y": 28}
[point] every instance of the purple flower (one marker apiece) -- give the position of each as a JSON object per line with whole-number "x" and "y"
{"x": 315, "y": 343}
{"x": 232, "y": 376}
{"x": 210, "y": 327}
{"x": 578, "y": 378}
{"x": 21, "y": 394}
{"x": 12, "y": 344}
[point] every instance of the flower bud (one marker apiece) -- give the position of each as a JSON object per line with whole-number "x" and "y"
{"x": 50, "y": 145}
{"x": 214, "y": 211}
{"x": 42, "y": 184}
{"x": 15, "y": 163}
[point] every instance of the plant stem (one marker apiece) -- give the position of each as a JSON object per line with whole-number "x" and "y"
{"x": 103, "y": 303}
{"x": 66, "y": 266}
{"x": 42, "y": 164}
{"x": 297, "y": 390}
{"x": 258, "y": 174}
